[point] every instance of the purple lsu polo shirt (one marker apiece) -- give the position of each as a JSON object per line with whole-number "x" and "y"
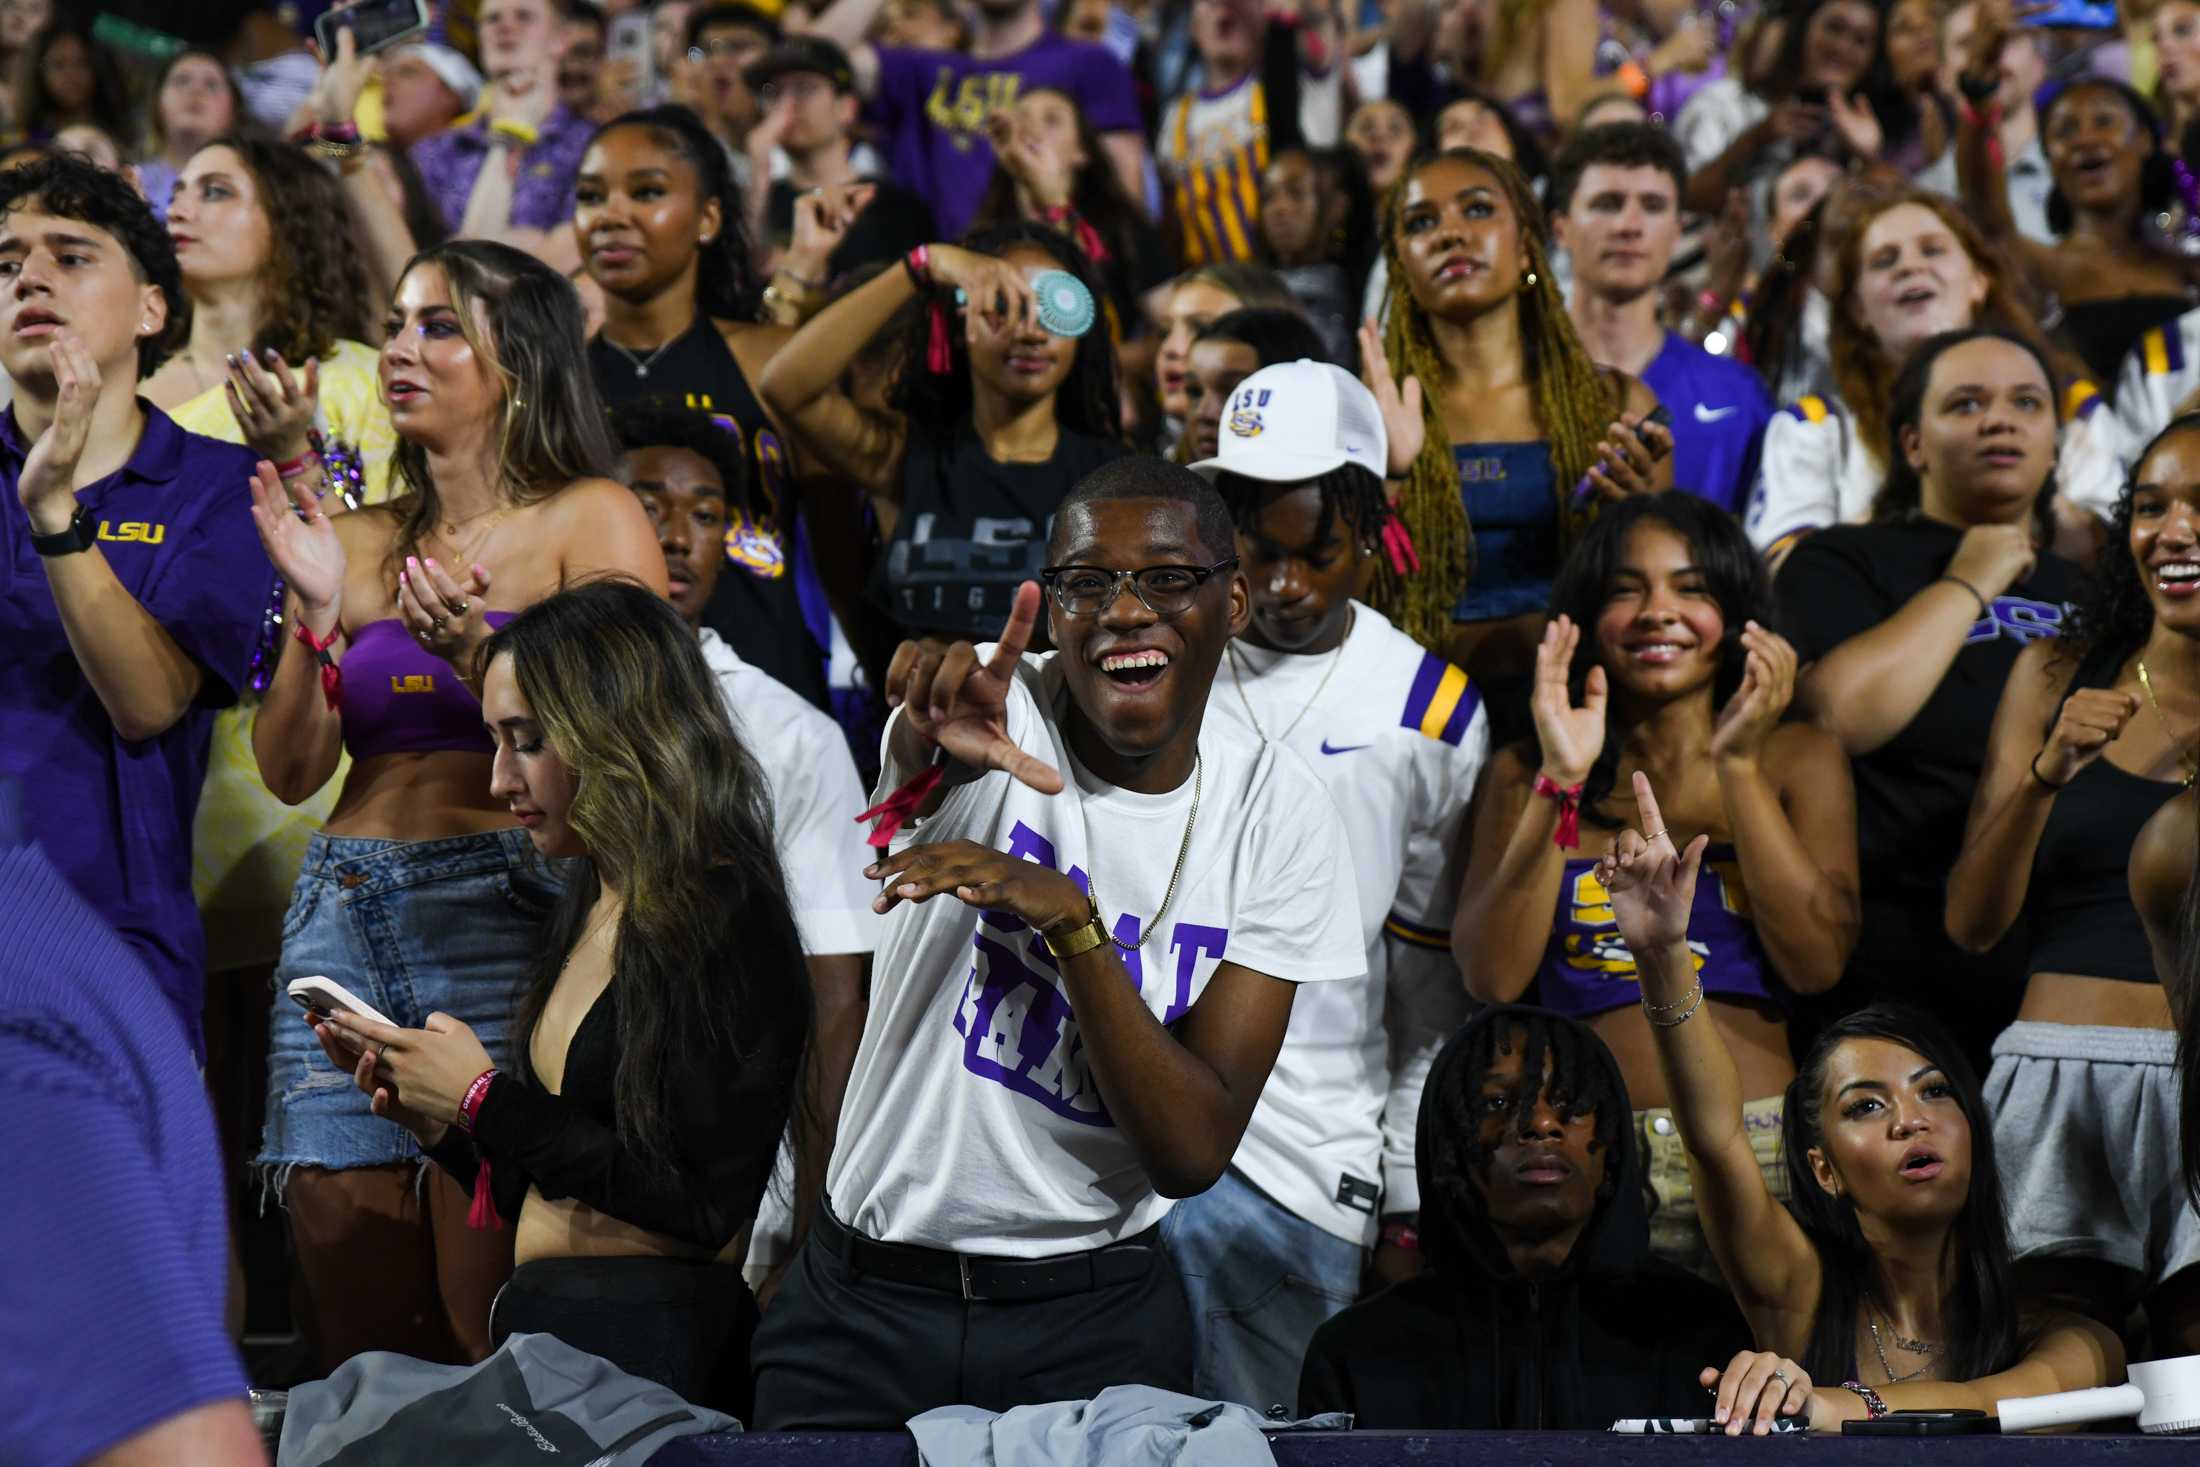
{"x": 113, "y": 815}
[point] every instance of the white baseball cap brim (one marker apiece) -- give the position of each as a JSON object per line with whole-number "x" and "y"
{"x": 1274, "y": 464}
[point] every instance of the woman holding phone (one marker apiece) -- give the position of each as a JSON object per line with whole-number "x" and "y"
{"x": 629, "y": 1134}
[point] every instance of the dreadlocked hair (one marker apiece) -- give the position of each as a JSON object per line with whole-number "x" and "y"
{"x": 934, "y": 402}
{"x": 1574, "y": 402}
{"x": 1350, "y": 493}
{"x": 1455, "y": 1157}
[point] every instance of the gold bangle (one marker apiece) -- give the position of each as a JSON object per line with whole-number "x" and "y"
{"x": 1078, "y": 940}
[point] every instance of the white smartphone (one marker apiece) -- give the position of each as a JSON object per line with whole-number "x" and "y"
{"x": 326, "y": 996}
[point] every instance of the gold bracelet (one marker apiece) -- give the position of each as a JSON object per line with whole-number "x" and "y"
{"x": 1080, "y": 939}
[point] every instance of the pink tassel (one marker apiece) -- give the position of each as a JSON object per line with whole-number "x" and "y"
{"x": 1568, "y": 834}
{"x": 1399, "y": 544}
{"x": 893, "y": 812}
{"x": 1088, "y": 240}
{"x": 482, "y": 1216}
{"x": 938, "y": 359}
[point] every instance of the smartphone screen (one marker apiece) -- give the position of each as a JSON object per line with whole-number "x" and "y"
{"x": 376, "y": 23}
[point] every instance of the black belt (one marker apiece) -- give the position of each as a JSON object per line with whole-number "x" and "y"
{"x": 988, "y": 1278}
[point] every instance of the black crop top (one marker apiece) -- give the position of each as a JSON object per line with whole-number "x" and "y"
{"x": 2079, "y": 900}
{"x": 729, "y": 1121}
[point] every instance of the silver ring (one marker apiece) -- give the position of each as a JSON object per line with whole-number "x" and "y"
{"x": 1782, "y": 1377}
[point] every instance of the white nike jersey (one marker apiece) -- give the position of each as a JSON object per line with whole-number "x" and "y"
{"x": 1398, "y": 736}
{"x": 2159, "y": 376}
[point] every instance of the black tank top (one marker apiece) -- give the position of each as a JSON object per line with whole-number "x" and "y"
{"x": 971, "y": 530}
{"x": 756, "y": 606}
{"x": 2082, "y": 919}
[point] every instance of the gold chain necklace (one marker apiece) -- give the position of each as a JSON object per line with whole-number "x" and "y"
{"x": 1238, "y": 682}
{"x": 1092, "y": 884}
{"x": 2192, "y": 768}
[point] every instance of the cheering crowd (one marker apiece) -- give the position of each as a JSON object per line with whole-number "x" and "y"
{"x": 684, "y": 561}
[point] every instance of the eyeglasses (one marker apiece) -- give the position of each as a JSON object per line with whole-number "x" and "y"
{"x": 1164, "y": 590}
{"x": 800, "y": 88}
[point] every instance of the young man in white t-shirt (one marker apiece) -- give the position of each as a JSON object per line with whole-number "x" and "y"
{"x": 1094, "y": 933}
{"x": 688, "y": 473}
{"x": 1399, "y": 738}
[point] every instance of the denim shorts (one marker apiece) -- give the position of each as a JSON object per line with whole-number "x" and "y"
{"x": 413, "y": 928}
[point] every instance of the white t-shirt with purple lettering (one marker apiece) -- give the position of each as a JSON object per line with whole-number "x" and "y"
{"x": 973, "y": 1122}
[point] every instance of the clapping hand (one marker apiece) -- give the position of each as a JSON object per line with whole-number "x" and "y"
{"x": 273, "y": 406}
{"x": 950, "y": 697}
{"x": 1404, "y": 429}
{"x": 447, "y": 621}
{"x": 1768, "y": 685}
{"x": 47, "y": 486}
{"x": 303, "y": 546}
{"x": 1571, "y": 737}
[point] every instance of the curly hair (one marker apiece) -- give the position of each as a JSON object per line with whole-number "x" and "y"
{"x": 666, "y": 421}
{"x": 314, "y": 288}
{"x": 1862, "y": 368}
{"x": 1574, "y": 403}
{"x": 67, "y": 187}
{"x": 933, "y": 403}
{"x": 2112, "y": 617}
{"x": 726, "y": 287}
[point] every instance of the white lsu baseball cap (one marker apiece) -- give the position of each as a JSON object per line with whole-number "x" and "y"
{"x": 1298, "y": 420}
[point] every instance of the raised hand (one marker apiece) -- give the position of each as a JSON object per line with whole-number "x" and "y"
{"x": 273, "y": 406}
{"x": 1404, "y": 429}
{"x": 1858, "y": 125}
{"x": 994, "y": 294}
{"x": 1756, "y": 1386}
{"x": 1571, "y": 737}
{"x": 335, "y": 95}
{"x": 1034, "y": 163}
{"x": 303, "y": 546}
{"x": 822, "y": 219}
{"x": 47, "y": 486}
{"x": 1652, "y": 885}
{"x": 1768, "y": 684}
{"x": 950, "y": 697}
{"x": 444, "y": 619}
{"x": 2091, "y": 719}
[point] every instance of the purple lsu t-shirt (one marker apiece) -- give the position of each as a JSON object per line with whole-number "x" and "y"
{"x": 114, "y": 1238}
{"x": 933, "y": 106}
{"x": 175, "y": 526}
{"x": 542, "y": 186}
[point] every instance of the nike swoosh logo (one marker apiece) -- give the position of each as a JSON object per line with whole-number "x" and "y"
{"x": 1346, "y": 749}
{"x": 1712, "y": 415}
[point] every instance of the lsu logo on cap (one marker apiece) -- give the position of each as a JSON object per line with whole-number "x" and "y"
{"x": 1245, "y": 416}
{"x": 754, "y": 547}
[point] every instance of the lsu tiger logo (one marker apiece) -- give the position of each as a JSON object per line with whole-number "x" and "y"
{"x": 751, "y": 545}
{"x": 1593, "y": 946}
{"x": 1245, "y": 413}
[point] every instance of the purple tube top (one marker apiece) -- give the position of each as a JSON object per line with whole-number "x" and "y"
{"x": 402, "y": 699}
{"x": 1587, "y": 968}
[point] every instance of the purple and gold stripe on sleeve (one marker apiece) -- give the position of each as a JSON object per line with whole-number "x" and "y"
{"x": 1442, "y": 702}
{"x": 1436, "y": 939}
{"x": 2164, "y": 350}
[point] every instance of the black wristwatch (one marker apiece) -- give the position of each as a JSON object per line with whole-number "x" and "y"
{"x": 78, "y": 535}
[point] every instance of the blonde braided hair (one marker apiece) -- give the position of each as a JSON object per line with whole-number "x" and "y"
{"x": 1574, "y": 403}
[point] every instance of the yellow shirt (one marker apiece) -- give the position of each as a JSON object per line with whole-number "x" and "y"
{"x": 247, "y": 845}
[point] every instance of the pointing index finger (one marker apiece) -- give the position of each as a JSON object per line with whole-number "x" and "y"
{"x": 1647, "y": 804}
{"x": 1023, "y": 617}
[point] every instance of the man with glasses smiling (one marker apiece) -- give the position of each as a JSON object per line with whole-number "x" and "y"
{"x": 1096, "y": 918}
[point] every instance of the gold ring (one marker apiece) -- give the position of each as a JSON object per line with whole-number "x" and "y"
{"x": 1653, "y": 835}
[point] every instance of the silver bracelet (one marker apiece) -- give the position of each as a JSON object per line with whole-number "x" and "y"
{"x": 1650, "y": 1011}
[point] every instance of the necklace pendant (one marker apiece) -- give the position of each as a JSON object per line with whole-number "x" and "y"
{"x": 640, "y": 370}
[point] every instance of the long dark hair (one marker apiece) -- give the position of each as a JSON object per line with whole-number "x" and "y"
{"x": 933, "y": 403}
{"x": 1097, "y": 196}
{"x": 1903, "y": 493}
{"x": 1773, "y": 333}
{"x": 550, "y": 427}
{"x": 1791, "y": 65}
{"x": 2112, "y": 617}
{"x": 1732, "y": 571}
{"x": 708, "y": 965}
{"x": 2157, "y": 170}
{"x": 726, "y": 287}
{"x": 1979, "y": 1318}
{"x": 315, "y": 279}
{"x": 110, "y": 101}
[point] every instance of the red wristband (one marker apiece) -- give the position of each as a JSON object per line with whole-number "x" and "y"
{"x": 1401, "y": 1235}
{"x": 293, "y": 467}
{"x": 918, "y": 262}
{"x": 1568, "y": 834}
{"x": 332, "y": 676}
{"x": 475, "y": 1094}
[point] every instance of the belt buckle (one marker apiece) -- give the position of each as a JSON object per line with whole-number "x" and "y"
{"x": 962, "y": 1265}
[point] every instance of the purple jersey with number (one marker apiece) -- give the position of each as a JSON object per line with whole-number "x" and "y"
{"x": 933, "y": 106}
